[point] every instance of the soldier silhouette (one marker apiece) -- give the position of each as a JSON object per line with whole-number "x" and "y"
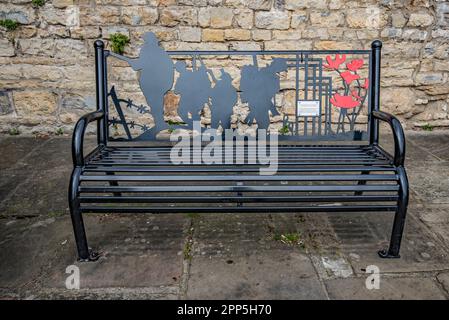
{"x": 156, "y": 78}
{"x": 223, "y": 98}
{"x": 194, "y": 88}
{"x": 259, "y": 87}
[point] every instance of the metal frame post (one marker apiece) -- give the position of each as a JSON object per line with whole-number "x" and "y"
{"x": 376, "y": 47}
{"x": 100, "y": 81}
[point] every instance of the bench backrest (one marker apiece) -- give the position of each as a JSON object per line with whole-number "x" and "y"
{"x": 324, "y": 95}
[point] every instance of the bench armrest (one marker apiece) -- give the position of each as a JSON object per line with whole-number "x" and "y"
{"x": 78, "y": 136}
{"x": 398, "y": 135}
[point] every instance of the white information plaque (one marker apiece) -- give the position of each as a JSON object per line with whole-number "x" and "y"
{"x": 308, "y": 108}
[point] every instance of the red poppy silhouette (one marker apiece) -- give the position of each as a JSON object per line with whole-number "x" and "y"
{"x": 335, "y": 64}
{"x": 355, "y": 94}
{"x": 366, "y": 84}
{"x": 349, "y": 77}
{"x": 355, "y": 64}
{"x": 345, "y": 102}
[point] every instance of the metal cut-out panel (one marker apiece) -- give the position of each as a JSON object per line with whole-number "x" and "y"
{"x": 298, "y": 95}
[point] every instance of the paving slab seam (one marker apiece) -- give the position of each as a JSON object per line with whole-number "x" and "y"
{"x": 425, "y": 150}
{"x": 441, "y": 285}
{"x": 187, "y": 259}
{"x": 437, "y": 237}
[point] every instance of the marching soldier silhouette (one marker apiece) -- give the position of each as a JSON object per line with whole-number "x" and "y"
{"x": 194, "y": 87}
{"x": 223, "y": 98}
{"x": 155, "y": 77}
{"x": 259, "y": 87}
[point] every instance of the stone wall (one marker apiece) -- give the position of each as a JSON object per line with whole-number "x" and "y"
{"x": 46, "y": 64}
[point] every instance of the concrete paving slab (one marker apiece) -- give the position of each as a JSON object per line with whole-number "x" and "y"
{"x": 420, "y": 250}
{"x": 277, "y": 274}
{"x": 390, "y": 288}
{"x": 430, "y": 141}
{"x": 27, "y": 246}
{"x": 16, "y": 149}
{"x": 240, "y": 257}
{"x": 136, "y": 251}
{"x": 431, "y": 182}
{"x": 42, "y": 193}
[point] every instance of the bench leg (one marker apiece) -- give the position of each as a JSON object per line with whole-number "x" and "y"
{"x": 399, "y": 218}
{"x": 84, "y": 254}
{"x": 361, "y": 183}
{"x": 114, "y": 184}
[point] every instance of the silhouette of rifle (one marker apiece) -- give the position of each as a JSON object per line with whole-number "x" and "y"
{"x": 130, "y": 61}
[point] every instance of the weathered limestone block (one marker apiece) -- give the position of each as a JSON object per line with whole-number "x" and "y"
{"x": 62, "y": 3}
{"x": 261, "y": 35}
{"x": 441, "y": 65}
{"x": 171, "y": 102}
{"x": 139, "y": 15}
{"x": 21, "y": 14}
{"x": 288, "y": 45}
{"x": 237, "y": 34}
{"x": 398, "y": 20}
{"x": 252, "y": 4}
{"x": 245, "y": 45}
{"x": 52, "y": 15}
{"x": 397, "y": 77}
{"x": 286, "y": 35}
{"x": 41, "y": 72}
{"x": 190, "y": 34}
{"x": 92, "y": 32}
{"x": 391, "y": 33}
{"x": 420, "y": 19}
{"x": 333, "y": 45}
{"x": 72, "y": 101}
{"x": 34, "y": 103}
{"x": 315, "y": 33}
{"x": 5, "y": 104}
{"x": 336, "y": 4}
{"x": 431, "y": 78}
{"x": 442, "y": 14}
{"x": 198, "y": 3}
{"x": 70, "y": 49}
{"x": 6, "y": 48}
{"x": 414, "y": 34}
{"x": 213, "y": 35}
{"x": 244, "y": 18}
{"x": 102, "y": 15}
{"x": 437, "y": 110}
{"x": 272, "y": 20}
{"x": 299, "y": 18}
{"x": 178, "y": 15}
{"x": 440, "y": 33}
{"x": 397, "y": 100}
{"x": 108, "y": 31}
{"x": 305, "y": 4}
{"x": 37, "y": 46}
{"x": 370, "y": 17}
{"x": 221, "y": 17}
{"x": 403, "y": 49}
{"x": 327, "y": 18}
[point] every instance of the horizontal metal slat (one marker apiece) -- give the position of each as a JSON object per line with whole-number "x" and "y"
{"x": 187, "y": 188}
{"x": 240, "y": 209}
{"x": 234, "y": 199}
{"x": 181, "y": 178}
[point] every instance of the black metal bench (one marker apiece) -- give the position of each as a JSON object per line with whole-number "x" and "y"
{"x": 328, "y": 160}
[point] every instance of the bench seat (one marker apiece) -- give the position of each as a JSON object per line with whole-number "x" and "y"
{"x": 309, "y": 178}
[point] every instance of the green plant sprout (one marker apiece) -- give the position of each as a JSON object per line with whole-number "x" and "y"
{"x": 118, "y": 42}
{"x": 9, "y": 24}
{"x": 38, "y": 3}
